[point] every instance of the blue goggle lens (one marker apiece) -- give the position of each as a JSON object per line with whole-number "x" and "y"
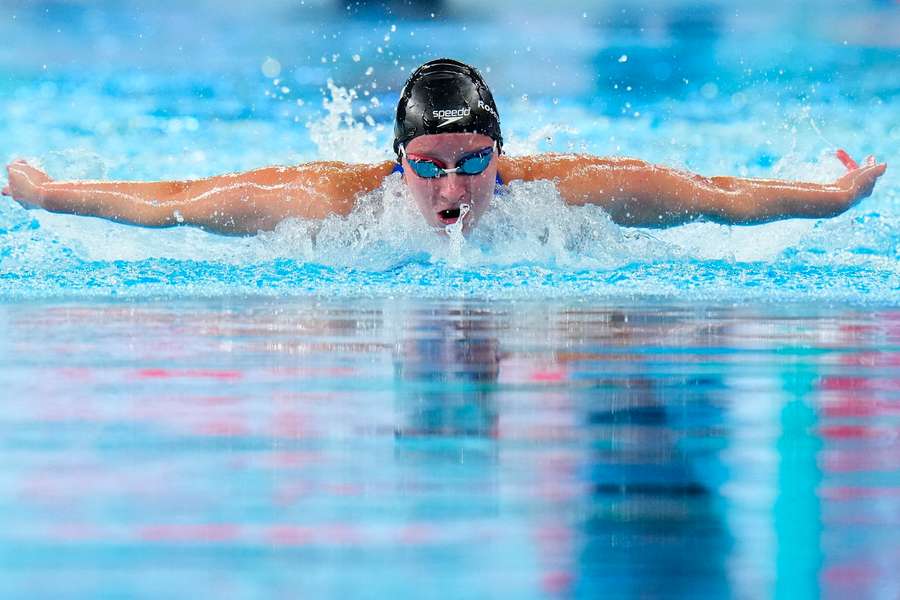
{"x": 425, "y": 168}
{"x": 474, "y": 164}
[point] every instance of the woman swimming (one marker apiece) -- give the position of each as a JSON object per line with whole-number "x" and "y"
{"x": 448, "y": 144}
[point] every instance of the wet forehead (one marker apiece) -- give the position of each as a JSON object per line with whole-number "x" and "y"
{"x": 448, "y": 146}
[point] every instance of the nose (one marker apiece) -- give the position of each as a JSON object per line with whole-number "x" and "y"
{"x": 453, "y": 187}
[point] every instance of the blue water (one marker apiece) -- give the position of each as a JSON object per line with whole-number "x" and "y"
{"x": 134, "y": 92}
{"x": 554, "y": 407}
{"x": 320, "y": 448}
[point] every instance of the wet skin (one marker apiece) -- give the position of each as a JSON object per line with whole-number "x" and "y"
{"x": 633, "y": 192}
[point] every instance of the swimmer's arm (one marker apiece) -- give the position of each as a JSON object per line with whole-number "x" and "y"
{"x": 640, "y": 194}
{"x": 241, "y": 203}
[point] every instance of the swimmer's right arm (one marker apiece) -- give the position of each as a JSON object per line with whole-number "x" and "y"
{"x": 240, "y": 203}
{"x": 637, "y": 193}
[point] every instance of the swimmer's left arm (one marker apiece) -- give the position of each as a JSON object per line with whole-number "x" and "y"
{"x": 640, "y": 194}
{"x": 236, "y": 203}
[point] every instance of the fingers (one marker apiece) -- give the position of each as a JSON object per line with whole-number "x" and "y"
{"x": 846, "y": 159}
{"x": 873, "y": 171}
{"x": 19, "y": 164}
{"x": 864, "y": 182}
{"x": 869, "y": 172}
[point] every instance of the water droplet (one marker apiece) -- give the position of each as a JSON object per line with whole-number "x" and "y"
{"x": 709, "y": 90}
{"x": 270, "y": 67}
{"x": 623, "y": 58}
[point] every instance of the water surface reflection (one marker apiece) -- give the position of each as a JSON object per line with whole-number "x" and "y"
{"x": 480, "y": 450}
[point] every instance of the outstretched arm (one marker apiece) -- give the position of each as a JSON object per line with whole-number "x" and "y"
{"x": 239, "y": 203}
{"x": 641, "y": 194}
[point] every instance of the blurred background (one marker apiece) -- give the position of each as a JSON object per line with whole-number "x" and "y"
{"x": 174, "y": 67}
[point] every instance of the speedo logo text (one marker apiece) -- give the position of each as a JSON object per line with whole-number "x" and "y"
{"x": 452, "y": 113}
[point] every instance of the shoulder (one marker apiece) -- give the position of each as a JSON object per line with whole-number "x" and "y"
{"x": 338, "y": 169}
{"x": 335, "y": 175}
{"x": 557, "y": 166}
{"x": 323, "y": 172}
{"x": 341, "y": 183}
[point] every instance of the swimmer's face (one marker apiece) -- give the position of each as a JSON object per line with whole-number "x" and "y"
{"x": 440, "y": 198}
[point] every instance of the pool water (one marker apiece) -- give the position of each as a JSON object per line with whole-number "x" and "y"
{"x": 553, "y": 407}
{"x": 326, "y": 448}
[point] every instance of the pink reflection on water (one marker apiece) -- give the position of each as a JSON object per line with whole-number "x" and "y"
{"x": 290, "y": 535}
{"x": 217, "y": 532}
{"x": 321, "y": 534}
{"x": 855, "y": 574}
{"x": 418, "y": 533}
{"x": 549, "y": 375}
{"x": 860, "y": 406}
{"x": 861, "y": 460}
{"x": 221, "y": 427}
{"x": 859, "y": 432}
{"x": 557, "y": 582}
{"x": 853, "y": 492}
{"x": 215, "y": 374}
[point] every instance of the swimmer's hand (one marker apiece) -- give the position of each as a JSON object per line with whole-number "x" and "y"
{"x": 25, "y": 183}
{"x": 857, "y": 183}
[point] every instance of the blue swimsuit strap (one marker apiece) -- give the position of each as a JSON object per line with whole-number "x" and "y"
{"x": 398, "y": 168}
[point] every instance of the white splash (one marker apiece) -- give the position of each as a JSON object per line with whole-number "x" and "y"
{"x": 340, "y": 136}
{"x": 454, "y": 233}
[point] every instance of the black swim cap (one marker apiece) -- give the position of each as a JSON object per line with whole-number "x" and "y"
{"x": 445, "y": 96}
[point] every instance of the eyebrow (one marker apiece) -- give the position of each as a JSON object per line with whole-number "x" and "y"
{"x": 441, "y": 163}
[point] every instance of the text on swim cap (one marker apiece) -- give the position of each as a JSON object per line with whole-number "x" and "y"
{"x": 448, "y": 113}
{"x": 486, "y": 107}
{"x": 458, "y": 113}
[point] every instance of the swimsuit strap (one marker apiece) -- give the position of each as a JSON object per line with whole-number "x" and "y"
{"x": 398, "y": 168}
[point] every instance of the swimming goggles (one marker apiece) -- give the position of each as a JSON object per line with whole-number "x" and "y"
{"x": 470, "y": 164}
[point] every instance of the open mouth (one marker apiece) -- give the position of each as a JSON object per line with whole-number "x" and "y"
{"x": 449, "y": 216}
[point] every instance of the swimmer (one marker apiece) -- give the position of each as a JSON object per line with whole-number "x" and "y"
{"x": 449, "y": 150}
